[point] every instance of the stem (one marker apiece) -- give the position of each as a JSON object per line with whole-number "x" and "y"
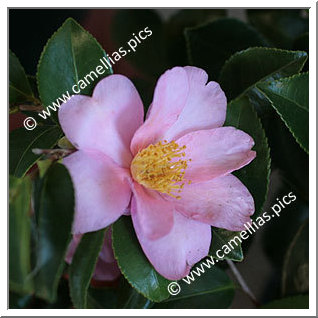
{"x": 242, "y": 283}
{"x": 33, "y": 108}
{"x": 54, "y": 154}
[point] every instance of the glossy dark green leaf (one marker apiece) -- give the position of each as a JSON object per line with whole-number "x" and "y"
{"x": 280, "y": 27}
{"x": 55, "y": 218}
{"x": 221, "y": 237}
{"x": 133, "y": 263}
{"x": 210, "y": 45}
{"x": 176, "y": 25}
{"x": 295, "y": 302}
{"x": 69, "y": 55}
{"x": 246, "y": 68}
{"x": 83, "y": 265}
{"x": 290, "y": 98}
{"x": 144, "y": 48}
{"x": 20, "y": 235}
{"x": 295, "y": 279}
{"x": 255, "y": 176}
{"x": 129, "y": 298}
{"x": 21, "y": 143}
{"x": 19, "y": 86}
{"x": 212, "y": 289}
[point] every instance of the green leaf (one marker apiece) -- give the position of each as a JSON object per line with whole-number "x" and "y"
{"x": 221, "y": 237}
{"x": 247, "y": 68}
{"x": 20, "y": 235}
{"x": 213, "y": 289}
{"x": 21, "y": 143}
{"x": 255, "y": 176}
{"x": 295, "y": 302}
{"x": 210, "y": 45}
{"x": 133, "y": 263}
{"x": 295, "y": 277}
{"x": 19, "y": 87}
{"x": 290, "y": 98}
{"x": 55, "y": 218}
{"x": 83, "y": 265}
{"x": 176, "y": 25}
{"x": 69, "y": 55}
{"x": 128, "y": 297}
{"x": 17, "y": 301}
{"x": 280, "y": 27}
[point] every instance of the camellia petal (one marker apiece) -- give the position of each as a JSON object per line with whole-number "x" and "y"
{"x": 170, "y": 97}
{"x": 174, "y": 254}
{"x": 106, "y": 121}
{"x": 222, "y": 202}
{"x": 102, "y": 190}
{"x": 205, "y": 107}
{"x": 216, "y": 152}
{"x": 151, "y": 212}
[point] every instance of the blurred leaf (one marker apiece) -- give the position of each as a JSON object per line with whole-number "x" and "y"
{"x": 247, "y": 68}
{"x": 295, "y": 277}
{"x": 133, "y": 263}
{"x": 21, "y": 143}
{"x": 20, "y": 235}
{"x": 19, "y": 87}
{"x": 17, "y": 301}
{"x": 55, "y": 218}
{"x": 64, "y": 143}
{"x": 176, "y": 25}
{"x": 295, "y": 302}
{"x": 280, "y": 27}
{"x": 43, "y": 165}
{"x": 222, "y": 237}
{"x": 128, "y": 297}
{"x": 290, "y": 98}
{"x": 33, "y": 85}
{"x": 83, "y": 265}
{"x": 69, "y": 55}
{"x": 255, "y": 176}
{"x": 210, "y": 45}
{"x": 128, "y": 23}
{"x": 279, "y": 232}
{"x": 213, "y": 289}
{"x": 101, "y": 298}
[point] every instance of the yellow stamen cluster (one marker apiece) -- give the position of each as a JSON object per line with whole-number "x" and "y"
{"x": 161, "y": 167}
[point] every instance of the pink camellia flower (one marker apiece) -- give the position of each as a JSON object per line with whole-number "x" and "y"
{"x": 106, "y": 268}
{"x": 172, "y": 171}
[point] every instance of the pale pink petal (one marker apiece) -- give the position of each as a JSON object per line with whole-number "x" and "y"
{"x": 205, "y": 107}
{"x": 106, "y": 121}
{"x": 107, "y": 254}
{"x": 102, "y": 190}
{"x": 174, "y": 254}
{"x": 151, "y": 212}
{"x": 223, "y": 202}
{"x": 72, "y": 248}
{"x": 216, "y": 152}
{"x": 170, "y": 97}
{"x": 106, "y": 268}
{"x": 106, "y": 271}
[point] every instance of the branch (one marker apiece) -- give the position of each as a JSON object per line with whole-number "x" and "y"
{"x": 242, "y": 283}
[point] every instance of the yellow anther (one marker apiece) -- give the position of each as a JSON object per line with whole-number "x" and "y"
{"x": 159, "y": 168}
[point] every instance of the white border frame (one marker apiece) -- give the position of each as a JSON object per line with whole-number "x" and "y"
{"x": 312, "y": 161}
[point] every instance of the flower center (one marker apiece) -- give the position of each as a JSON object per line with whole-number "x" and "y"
{"x": 161, "y": 167}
